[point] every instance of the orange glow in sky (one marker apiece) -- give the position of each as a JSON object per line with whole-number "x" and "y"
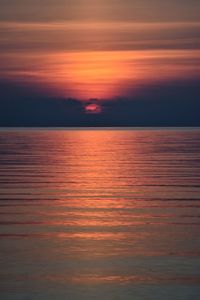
{"x": 94, "y": 73}
{"x": 99, "y": 49}
{"x": 99, "y": 74}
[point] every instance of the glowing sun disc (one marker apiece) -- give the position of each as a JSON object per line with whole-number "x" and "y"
{"x": 93, "y": 108}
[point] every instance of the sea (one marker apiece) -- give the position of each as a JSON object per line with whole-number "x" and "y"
{"x": 100, "y": 214}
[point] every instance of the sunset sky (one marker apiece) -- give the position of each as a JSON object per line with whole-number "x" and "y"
{"x": 98, "y": 49}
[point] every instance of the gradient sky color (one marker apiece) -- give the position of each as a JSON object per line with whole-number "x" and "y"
{"x": 98, "y": 49}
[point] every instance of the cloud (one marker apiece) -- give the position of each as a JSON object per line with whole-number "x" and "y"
{"x": 162, "y": 104}
{"x": 99, "y": 48}
{"x": 105, "y": 36}
{"x": 102, "y": 10}
{"x": 101, "y": 74}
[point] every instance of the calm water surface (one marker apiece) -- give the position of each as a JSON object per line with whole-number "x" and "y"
{"x": 100, "y": 214}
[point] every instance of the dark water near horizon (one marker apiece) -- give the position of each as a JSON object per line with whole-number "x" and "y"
{"x": 101, "y": 214}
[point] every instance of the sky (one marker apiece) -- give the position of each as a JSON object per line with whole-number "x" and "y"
{"x": 100, "y": 49}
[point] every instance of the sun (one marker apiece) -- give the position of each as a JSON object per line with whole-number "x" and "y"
{"x": 93, "y": 108}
